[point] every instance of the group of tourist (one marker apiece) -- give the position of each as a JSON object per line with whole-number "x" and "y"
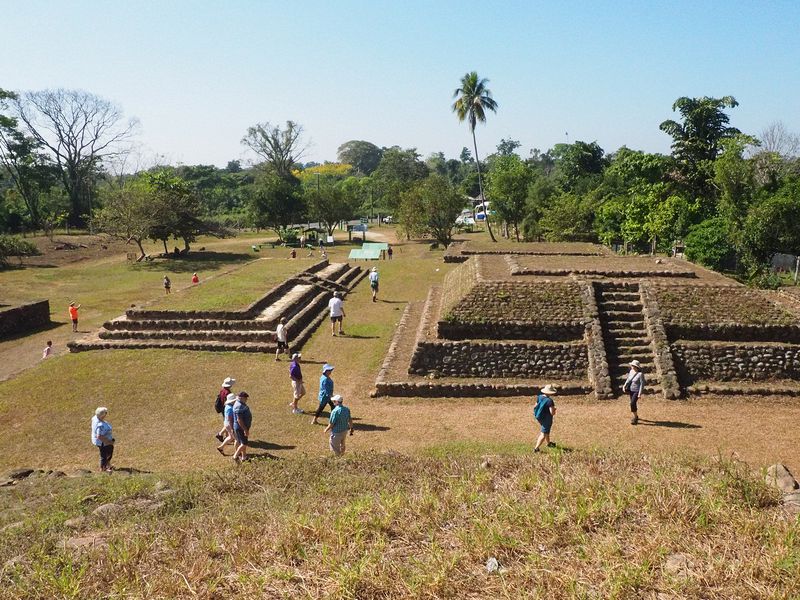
{"x": 237, "y": 418}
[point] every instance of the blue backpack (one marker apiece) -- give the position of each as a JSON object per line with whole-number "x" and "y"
{"x": 540, "y": 408}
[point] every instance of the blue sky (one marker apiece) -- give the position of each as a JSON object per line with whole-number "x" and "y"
{"x": 197, "y": 74}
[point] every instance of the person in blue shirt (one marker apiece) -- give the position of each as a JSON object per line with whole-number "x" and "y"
{"x": 325, "y": 391}
{"x": 242, "y": 421}
{"x": 102, "y": 437}
{"x": 339, "y": 424}
{"x": 543, "y": 412}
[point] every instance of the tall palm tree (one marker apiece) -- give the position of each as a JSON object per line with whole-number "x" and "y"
{"x": 473, "y": 99}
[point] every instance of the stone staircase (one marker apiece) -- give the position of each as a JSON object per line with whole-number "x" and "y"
{"x": 624, "y": 333}
{"x": 301, "y": 300}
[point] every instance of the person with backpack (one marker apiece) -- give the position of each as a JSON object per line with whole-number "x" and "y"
{"x": 242, "y": 421}
{"x": 227, "y": 416}
{"x": 634, "y": 386}
{"x": 543, "y": 412}
{"x": 219, "y": 404}
{"x": 373, "y": 283}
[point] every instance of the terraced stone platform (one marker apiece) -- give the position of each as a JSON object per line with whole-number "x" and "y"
{"x": 506, "y": 323}
{"x": 302, "y": 300}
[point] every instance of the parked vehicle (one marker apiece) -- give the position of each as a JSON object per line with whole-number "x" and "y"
{"x": 388, "y": 219}
{"x": 465, "y": 220}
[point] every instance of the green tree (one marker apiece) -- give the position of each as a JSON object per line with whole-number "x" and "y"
{"x": 11, "y": 245}
{"x": 578, "y": 162}
{"x": 431, "y": 207}
{"x": 473, "y": 99}
{"x": 331, "y": 204}
{"x": 707, "y": 243}
{"x": 128, "y": 213}
{"x": 275, "y": 203}
{"x": 773, "y": 226}
{"x": 364, "y": 156}
{"x": 397, "y": 172}
{"x": 734, "y": 178}
{"x": 569, "y": 218}
{"x": 696, "y": 141}
{"x": 507, "y": 184}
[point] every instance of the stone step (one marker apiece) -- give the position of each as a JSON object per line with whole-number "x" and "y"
{"x": 352, "y": 276}
{"x": 618, "y": 286}
{"x": 621, "y": 296}
{"x": 621, "y": 316}
{"x": 619, "y": 306}
{"x": 333, "y": 271}
{"x": 181, "y": 324}
{"x": 208, "y": 346}
{"x": 626, "y": 328}
{"x": 296, "y": 295}
{"x": 200, "y": 335}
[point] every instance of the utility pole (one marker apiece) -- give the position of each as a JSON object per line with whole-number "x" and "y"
{"x": 796, "y": 268}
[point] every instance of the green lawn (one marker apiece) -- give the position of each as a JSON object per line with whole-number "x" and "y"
{"x": 237, "y": 289}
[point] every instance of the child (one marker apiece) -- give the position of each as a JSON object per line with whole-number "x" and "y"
{"x": 48, "y": 350}
{"x": 167, "y": 284}
{"x": 195, "y": 279}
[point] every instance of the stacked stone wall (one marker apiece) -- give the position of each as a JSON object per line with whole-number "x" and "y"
{"x": 662, "y": 357}
{"x": 500, "y": 359}
{"x": 733, "y": 332}
{"x": 597, "y": 360}
{"x": 24, "y": 318}
{"x": 736, "y": 362}
{"x": 512, "y": 330}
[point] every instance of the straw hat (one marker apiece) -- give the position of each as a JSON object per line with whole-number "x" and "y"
{"x": 229, "y": 381}
{"x": 636, "y": 364}
{"x": 549, "y": 390}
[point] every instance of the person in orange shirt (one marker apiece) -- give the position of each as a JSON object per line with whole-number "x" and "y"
{"x": 73, "y": 314}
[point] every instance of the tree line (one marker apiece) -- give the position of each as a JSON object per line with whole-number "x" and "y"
{"x": 733, "y": 198}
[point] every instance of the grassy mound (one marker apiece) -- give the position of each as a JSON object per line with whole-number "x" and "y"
{"x": 571, "y": 524}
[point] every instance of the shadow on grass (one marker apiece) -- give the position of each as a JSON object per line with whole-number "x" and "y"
{"x": 355, "y": 336}
{"x": 393, "y": 301}
{"x": 22, "y": 267}
{"x": 669, "y": 424}
{"x": 194, "y": 261}
{"x": 358, "y": 426}
{"x": 261, "y": 445}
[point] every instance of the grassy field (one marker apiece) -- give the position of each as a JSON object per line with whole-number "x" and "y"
{"x": 564, "y": 525}
{"x": 237, "y": 290}
{"x": 409, "y": 512}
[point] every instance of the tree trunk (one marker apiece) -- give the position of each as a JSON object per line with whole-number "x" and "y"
{"x": 141, "y": 251}
{"x": 480, "y": 187}
{"x": 186, "y": 245}
{"x": 516, "y": 231}
{"x": 165, "y": 247}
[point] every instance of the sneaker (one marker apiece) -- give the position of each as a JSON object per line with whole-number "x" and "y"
{"x": 297, "y": 411}
{"x": 219, "y": 437}
{"x": 537, "y": 449}
{"x": 634, "y": 420}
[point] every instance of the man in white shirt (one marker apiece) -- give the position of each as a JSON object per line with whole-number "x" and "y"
{"x": 373, "y": 283}
{"x": 336, "y": 307}
{"x": 280, "y": 333}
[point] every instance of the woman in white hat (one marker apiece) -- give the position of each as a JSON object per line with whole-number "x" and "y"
{"x": 373, "y": 283}
{"x": 102, "y": 437}
{"x": 634, "y": 385}
{"x": 219, "y": 404}
{"x": 543, "y": 412}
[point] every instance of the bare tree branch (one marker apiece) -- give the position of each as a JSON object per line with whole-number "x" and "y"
{"x": 282, "y": 148}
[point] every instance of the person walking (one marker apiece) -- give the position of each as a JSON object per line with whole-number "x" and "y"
{"x": 195, "y": 279}
{"x": 389, "y": 252}
{"x": 227, "y": 416}
{"x": 336, "y": 307}
{"x": 73, "y": 315}
{"x": 373, "y": 283}
{"x": 222, "y": 397}
{"x": 242, "y": 421}
{"x": 103, "y": 438}
{"x": 339, "y": 424}
{"x": 280, "y": 334}
{"x": 48, "y": 350}
{"x": 544, "y": 412}
{"x": 634, "y": 386}
{"x": 167, "y": 285}
{"x": 298, "y": 389}
{"x": 325, "y": 391}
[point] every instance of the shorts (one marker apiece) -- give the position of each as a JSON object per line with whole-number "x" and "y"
{"x": 335, "y": 319}
{"x": 374, "y": 286}
{"x": 74, "y": 321}
{"x": 283, "y": 345}
{"x": 338, "y": 442}
{"x": 240, "y": 437}
{"x": 546, "y": 426}
{"x": 298, "y": 389}
{"x": 634, "y": 400}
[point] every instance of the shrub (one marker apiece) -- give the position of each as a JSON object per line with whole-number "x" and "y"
{"x": 11, "y": 245}
{"x": 708, "y": 244}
